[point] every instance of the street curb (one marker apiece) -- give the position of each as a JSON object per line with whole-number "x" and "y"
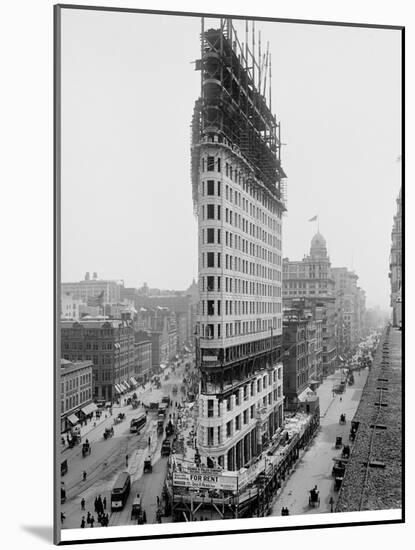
{"x": 329, "y": 405}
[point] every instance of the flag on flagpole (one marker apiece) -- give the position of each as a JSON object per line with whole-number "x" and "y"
{"x": 313, "y": 219}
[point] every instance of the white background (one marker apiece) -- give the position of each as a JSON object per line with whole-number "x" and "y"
{"x": 27, "y": 268}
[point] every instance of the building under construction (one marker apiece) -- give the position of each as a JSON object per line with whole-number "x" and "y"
{"x": 239, "y": 199}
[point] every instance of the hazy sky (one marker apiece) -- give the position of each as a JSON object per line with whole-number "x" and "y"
{"x": 128, "y": 91}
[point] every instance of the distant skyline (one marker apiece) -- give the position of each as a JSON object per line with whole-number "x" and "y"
{"x": 129, "y": 88}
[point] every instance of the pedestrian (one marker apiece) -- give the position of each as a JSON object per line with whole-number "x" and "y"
{"x": 83, "y": 522}
{"x": 92, "y": 521}
{"x": 158, "y": 501}
{"x": 104, "y": 503}
{"x": 107, "y": 520}
{"x": 126, "y": 460}
{"x": 331, "y": 502}
{"x": 340, "y": 398}
{"x": 63, "y": 517}
{"x": 88, "y": 517}
{"x": 100, "y": 505}
{"x": 96, "y": 504}
{"x": 144, "y": 516}
{"x": 84, "y": 475}
{"x": 149, "y": 441}
{"x": 83, "y": 504}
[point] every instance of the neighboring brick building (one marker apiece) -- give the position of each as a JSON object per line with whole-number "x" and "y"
{"x": 144, "y": 357}
{"x": 302, "y": 341}
{"x": 76, "y": 390}
{"x": 109, "y": 344}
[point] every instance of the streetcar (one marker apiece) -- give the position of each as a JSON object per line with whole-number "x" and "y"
{"x": 137, "y": 423}
{"x": 120, "y": 491}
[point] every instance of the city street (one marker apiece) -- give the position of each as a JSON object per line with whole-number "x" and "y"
{"x": 315, "y": 465}
{"x": 108, "y": 459}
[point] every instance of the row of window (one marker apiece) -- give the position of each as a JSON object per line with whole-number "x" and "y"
{"x": 214, "y": 212}
{"x": 211, "y": 235}
{"x": 74, "y": 383}
{"x": 210, "y": 331}
{"x": 214, "y": 164}
{"x": 211, "y": 188}
{"x": 235, "y": 263}
{"x": 75, "y": 400}
{"x": 295, "y": 284}
{"x": 113, "y": 333}
{"x": 238, "y": 307}
{"x": 212, "y": 283}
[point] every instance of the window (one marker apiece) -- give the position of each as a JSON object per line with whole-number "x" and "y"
{"x": 210, "y": 283}
{"x": 238, "y": 422}
{"x": 210, "y": 211}
{"x": 210, "y": 436}
{"x": 246, "y": 416}
{"x": 252, "y": 411}
{"x": 210, "y": 164}
{"x": 210, "y": 408}
{"x": 210, "y": 259}
{"x": 210, "y": 235}
{"x": 210, "y": 187}
{"x": 210, "y": 307}
{"x": 228, "y": 428}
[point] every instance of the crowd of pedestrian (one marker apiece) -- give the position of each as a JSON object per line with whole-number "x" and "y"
{"x": 100, "y": 507}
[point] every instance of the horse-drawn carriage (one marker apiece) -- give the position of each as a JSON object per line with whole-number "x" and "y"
{"x": 338, "y": 443}
{"x": 109, "y": 432}
{"x": 338, "y": 471}
{"x": 148, "y": 467}
{"x": 342, "y": 419}
{"x": 134, "y": 404}
{"x": 160, "y": 426}
{"x": 86, "y": 449}
{"x": 346, "y": 451}
{"x": 119, "y": 418}
{"x": 169, "y": 429}
{"x": 314, "y": 498}
{"x": 137, "y": 511}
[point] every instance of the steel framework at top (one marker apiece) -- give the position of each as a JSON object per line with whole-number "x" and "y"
{"x": 233, "y": 104}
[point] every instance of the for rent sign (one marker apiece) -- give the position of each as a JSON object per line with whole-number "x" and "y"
{"x": 205, "y": 481}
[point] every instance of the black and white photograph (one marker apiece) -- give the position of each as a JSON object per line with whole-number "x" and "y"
{"x": 229, "y": 299}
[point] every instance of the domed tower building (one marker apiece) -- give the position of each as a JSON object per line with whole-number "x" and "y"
{"x": 308, "y": 284}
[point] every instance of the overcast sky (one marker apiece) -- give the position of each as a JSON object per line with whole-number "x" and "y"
{"x": 128, "y": 91}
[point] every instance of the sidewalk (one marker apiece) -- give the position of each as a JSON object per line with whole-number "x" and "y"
{"x": 315, "y": 465}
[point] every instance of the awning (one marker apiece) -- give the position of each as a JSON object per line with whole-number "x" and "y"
{"x": 89, "y": 409}
{"x": 126, "y": 385}
{"x": 117, "y": 388}
{"x": 305, "y": 394}
{"x": 134, "y": 381}
{"x": 341, "y": 358}
{"x": 163, "y": 366}
{"x": 73, "y": 419}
